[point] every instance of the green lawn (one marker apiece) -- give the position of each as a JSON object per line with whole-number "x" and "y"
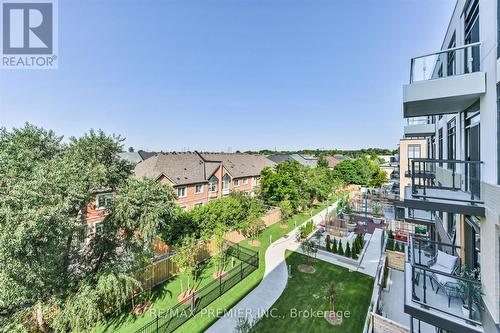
{"x": 165, "y": 295}
{"x": 306, "y": 292}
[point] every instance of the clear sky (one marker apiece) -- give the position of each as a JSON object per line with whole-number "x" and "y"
{"x": 229, "y": 74}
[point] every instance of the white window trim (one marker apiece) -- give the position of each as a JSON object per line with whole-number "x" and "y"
{"x": 236, "y": 182}
{"x": 184, "y": 208}
{"x": 198, "y": 204}
{"x": 97, "y": 207}
{"x": 200, "y": 191}
{"x": 245, "y": 180}
{"x": 185, "y": 192}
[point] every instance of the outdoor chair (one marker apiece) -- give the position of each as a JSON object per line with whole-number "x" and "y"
{"x": 447, "y": 264}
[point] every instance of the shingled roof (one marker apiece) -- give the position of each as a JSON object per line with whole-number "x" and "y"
{"x": 239, "y": 164}
{"x": 193, "y": 167}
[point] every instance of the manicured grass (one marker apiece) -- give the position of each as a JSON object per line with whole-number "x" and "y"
{"x": 165, "y": 296}
{"x": 306, "y": 292}
{"x": 203, "y": 320}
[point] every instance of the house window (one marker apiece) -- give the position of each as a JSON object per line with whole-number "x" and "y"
{"x": 440, "y": 143}
{"x": 213, "y": 184}
{"x": 452, "y": 141}
{"x": 184, "y": 208}
{"x": 98, "y": 228}
{"x": 198, "y": 188}
{"x": 198, "y": 204}
{"x": 104, "y": 200}
{"x": 245, "y": 180}
{"x": 255, "y": 180}
{"x": 181, "y": 192}
{"x": 236, "y": 182}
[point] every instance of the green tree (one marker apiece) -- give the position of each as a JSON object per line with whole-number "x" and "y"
{"x": 322, "y": 162}
{"x": 334, "y": 245}
{"x": 186, "y": 258}
{"x": 47, "y": 271}
{"x": 340, "y": 250}
{"x": 286, "y": 209}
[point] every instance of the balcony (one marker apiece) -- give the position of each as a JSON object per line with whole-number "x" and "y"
{"x": 446, "y": 186}
{"x": 418, "y": 216}
{"x": 419, "y": 127}
{"x": 444, "y": 82}
{"x": 436, "y": 292}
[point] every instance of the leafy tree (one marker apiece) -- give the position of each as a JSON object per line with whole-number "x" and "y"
{"x": 308, "y": 248}
{"x": 186, "y": 257}
{"x": 286, "y": 209}
{"x": 220, "y": 244}
{"x": 379, "y": 178}
{"x": 322, "y": 162}
{"x": 47, "y": 271}
{"x": 331, "y": 295}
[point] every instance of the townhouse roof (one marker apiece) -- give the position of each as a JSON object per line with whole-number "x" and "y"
{"x": 239, "y": 164}
{"x": 305, "y": 160}
{"x": 184, "y": 168}
{"x": 332, "y": 161}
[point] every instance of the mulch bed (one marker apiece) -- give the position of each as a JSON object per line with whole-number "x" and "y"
{"x": 141, "y": 307}
{"x": 254, "y": 243}
{"x": 306, "y": 269}
{"x": 332, "y": 318}
{"x": 186, "y": 294}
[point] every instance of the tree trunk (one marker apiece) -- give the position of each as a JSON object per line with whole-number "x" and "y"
{"x": 39, "y": 317}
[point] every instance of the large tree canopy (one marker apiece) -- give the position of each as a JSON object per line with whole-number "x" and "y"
{"x": 47, "y": 271}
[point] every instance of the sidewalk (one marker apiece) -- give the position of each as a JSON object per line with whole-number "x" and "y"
{"x": 259, "y": 300}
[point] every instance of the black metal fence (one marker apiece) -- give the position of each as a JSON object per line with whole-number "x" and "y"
{"x": 169, "y": 320}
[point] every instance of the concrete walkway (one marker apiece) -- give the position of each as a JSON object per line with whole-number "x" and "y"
{"x": 259, "y": 300}
{"x": 275, "y": 279}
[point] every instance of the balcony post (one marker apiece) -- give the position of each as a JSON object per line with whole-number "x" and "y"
{"x": 469, "y": 298}
{"x": 413, "y": 176}
{"x": 453, "y": 174}
{"x": 424, "y": 174}
{"x": 425, "y": 287}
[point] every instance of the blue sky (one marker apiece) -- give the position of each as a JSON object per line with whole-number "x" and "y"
{"x": 229, "y": 74}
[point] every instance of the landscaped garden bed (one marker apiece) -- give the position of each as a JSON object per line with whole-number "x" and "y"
{"x": 309, "y": 298}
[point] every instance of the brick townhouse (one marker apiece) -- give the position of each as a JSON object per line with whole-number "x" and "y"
{"x": 199, "y": 177}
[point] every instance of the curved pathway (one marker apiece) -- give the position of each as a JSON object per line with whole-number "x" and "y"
{"x": 260, "y": 299}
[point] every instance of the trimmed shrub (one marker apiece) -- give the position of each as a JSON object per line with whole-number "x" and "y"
{"x": 347, "y": 250}
{"x": 334, "y": 248}
{"x": 354, "y": 254}
{"x": 328, "y": 243}
{"x": 340, "y": 250}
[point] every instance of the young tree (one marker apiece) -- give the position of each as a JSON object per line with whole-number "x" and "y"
{"x": 186, "y": 258}
{"x": 220, "y": 244}
{"x": 308, "y": 248}
{"x": 331, "y": 295}
{"x": 286, "y": 209}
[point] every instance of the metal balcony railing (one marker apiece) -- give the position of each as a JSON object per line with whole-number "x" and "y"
{"x": 450, "y": 62}
{"x": 437, "y": 266}
{"x": 453, "y": 175}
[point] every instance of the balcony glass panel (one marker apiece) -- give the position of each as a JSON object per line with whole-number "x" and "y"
{"x": 451, "y": 62}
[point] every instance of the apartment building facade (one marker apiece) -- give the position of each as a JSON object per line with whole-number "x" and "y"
{"x": 200, "y": 177}
{"x": 452, "y": 106}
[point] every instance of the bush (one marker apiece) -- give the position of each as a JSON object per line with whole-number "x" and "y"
{"x": 334, "y": 245}
{"x": 354, "y": 254}
{"x": 340, "y": 249}
{"x": 347, "y": 250}
{"x": 328, "y": 243}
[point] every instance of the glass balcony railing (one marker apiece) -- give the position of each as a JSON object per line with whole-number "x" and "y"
{"x": 454, "y": 61}
{"x": 420, "y": 121}
{"x": 452, "y": 180}
{"x": 439, "y": 282}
